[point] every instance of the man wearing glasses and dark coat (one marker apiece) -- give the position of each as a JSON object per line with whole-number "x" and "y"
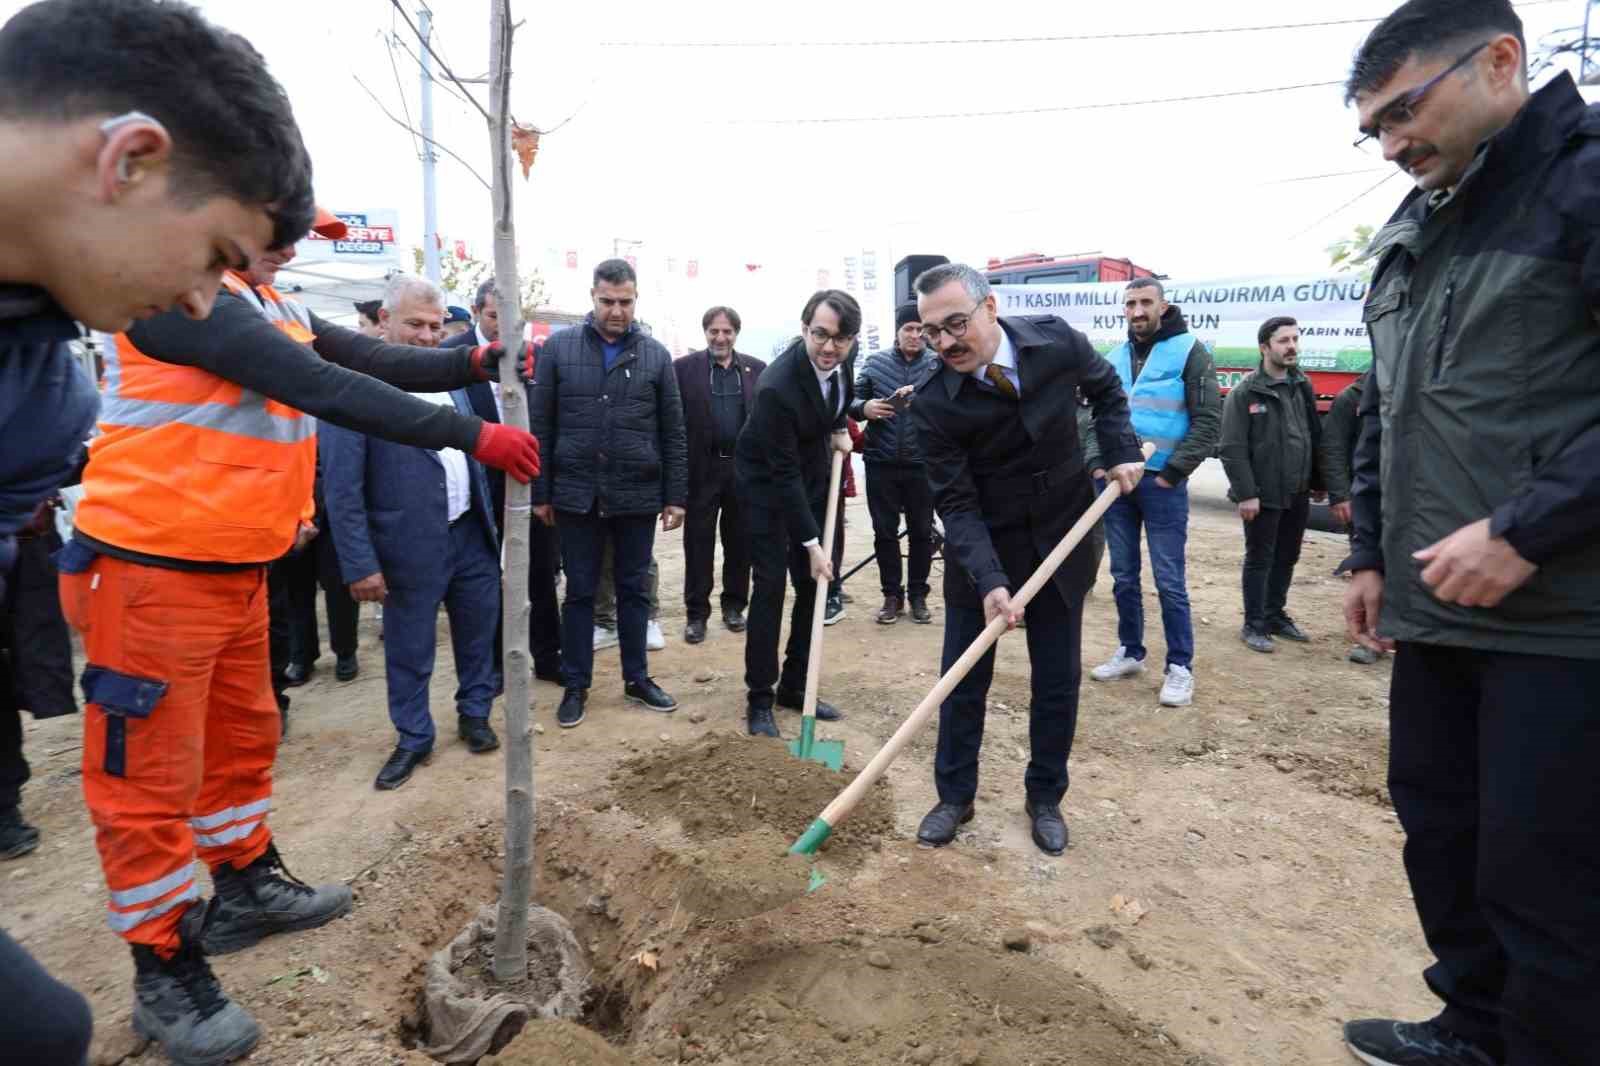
{"x": 998, "y": 422}
{"x": 782, "y": 465}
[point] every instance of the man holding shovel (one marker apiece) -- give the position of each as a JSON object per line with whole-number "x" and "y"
{"x": 998, "y": 424}
{"x": 782, "y": 465}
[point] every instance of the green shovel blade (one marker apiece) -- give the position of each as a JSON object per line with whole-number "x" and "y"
{"x": 829, "y": 753}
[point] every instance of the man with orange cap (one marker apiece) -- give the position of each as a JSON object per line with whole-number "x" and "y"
{"x": 200, "y": 476}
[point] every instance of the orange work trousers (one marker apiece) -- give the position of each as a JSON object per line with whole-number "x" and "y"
{"x": 180, "y": 731}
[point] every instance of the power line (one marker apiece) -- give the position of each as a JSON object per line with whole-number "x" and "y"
{"x": 1044, "y": 39}
{"x": 842, "y": 119}
{"x": 1321, "y": 177}
{"x": 405, "y": 106}
{"x": 1348, "y": 203}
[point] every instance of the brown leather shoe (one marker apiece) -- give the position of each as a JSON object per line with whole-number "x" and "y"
{"x": 889, "y": 614}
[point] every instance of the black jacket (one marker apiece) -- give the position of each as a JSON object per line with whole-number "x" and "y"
{"x": 694, "y": 388}
{"x": 336, "y": 380}
{"x": 890, "y": 440}
{"x": 782, "y": 459}
{"x": 1338, "y": 446}
{"x": 608, "y": 439}
{"x": 1253, "y": 440}
{"x": 1008, "y": 478}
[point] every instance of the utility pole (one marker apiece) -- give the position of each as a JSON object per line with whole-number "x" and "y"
{"x": 430, "y": 201}
{"x": 1586, "y": 76}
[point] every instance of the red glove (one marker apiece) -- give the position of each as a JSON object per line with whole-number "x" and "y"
{"x": 486, "y": 362}
{"x": 516, "y": 451}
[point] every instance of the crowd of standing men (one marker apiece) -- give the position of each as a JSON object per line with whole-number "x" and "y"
{"x": 1474, "y": 554}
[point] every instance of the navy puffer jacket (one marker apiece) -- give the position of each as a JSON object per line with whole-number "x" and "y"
{"x": 612, "y": 440}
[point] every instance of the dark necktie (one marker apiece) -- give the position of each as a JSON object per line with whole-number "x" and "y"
{"x": 997, "y": 377}
{"x": 833, "y": 396}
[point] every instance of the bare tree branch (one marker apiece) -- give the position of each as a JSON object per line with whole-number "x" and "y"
{"x": 418, "y": 133}
{"x": 443, "y": 66}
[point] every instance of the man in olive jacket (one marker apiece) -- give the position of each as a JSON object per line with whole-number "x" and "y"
{"x": 1270, "y": 434}
{"x": 606, "y": 410}
{"x": 1477, "y": 528}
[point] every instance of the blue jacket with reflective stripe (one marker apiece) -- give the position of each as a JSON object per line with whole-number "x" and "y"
{"x": 1158, "y": 400}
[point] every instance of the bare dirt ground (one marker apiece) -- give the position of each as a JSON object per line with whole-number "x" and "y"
{"x": 1232, "y": 893}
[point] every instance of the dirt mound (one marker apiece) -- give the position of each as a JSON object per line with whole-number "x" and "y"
{"x": 721, "y": 786}
{"x": 544, "y": 1043}
{"x": 904, "y": 1001}
{"x": 740, "y": 876}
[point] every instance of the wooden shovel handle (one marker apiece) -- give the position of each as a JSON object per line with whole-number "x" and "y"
{"x": 846, "y": 801}
{"x": 820, "y": 609}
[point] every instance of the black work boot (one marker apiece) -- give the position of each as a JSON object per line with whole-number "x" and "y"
{"x": 919, "y": 610}
{"x": 890, "y": 612}
{"x": 178, "y": 1003}
{"x": 759, "y": 721}
{"x": 17, "y": 837}
{"x": 265, "y": 898}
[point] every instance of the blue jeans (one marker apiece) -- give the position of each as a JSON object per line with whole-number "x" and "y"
{"x": 1164, "y": 513}
{"x": 583, "y": 543}
{"x": 471, "y": 596}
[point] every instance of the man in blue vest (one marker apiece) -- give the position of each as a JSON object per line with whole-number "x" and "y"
{"x": 1172, "y": 388}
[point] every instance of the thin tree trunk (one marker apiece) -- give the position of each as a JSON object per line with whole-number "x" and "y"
{"x": 511, "y": 928}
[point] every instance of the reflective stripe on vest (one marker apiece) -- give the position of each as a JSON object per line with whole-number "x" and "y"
{"x": 189, "y": 465}
{"x": 1160, "y": 405}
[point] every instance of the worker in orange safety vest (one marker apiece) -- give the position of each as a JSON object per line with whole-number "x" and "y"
{"x": 201, "y": 474}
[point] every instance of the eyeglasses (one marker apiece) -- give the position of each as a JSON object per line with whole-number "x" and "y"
{"x": 821, "y": 337}
{"x": 955, "y": 325}
{"x": 1403, "y": 108}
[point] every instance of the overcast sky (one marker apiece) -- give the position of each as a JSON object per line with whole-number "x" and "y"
{"x": 681, "y": 148}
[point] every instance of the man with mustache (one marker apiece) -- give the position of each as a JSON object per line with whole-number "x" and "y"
{"x": 1476, "y": 512}
{"x": 718, "y": 389}
{"x": 1270, "y": 437}
{"x": 998, "y": 422}
{"x": 782, "y": 464}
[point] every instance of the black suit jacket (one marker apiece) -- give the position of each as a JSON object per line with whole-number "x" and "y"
{"x": 782, "y": 459}
{"x": 1008, "y": 477}
{"x": 694, "y": 387}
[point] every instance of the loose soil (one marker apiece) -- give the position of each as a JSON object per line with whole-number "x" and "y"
{"x": 1253, "y": 830}
{"x": 720, "y": 786}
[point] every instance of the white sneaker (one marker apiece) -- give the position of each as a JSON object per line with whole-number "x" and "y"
{"x": 604, "y": 638}
{"x": 654, "y": 638}
{"x": 1178, "y": 689}
{"x": 1118, "y": 666}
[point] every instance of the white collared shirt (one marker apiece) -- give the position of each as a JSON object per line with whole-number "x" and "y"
{"x": 457, "y": 475}
{"x": 1005, "y": 357}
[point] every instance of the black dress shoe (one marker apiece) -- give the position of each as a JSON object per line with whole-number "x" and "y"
{"x": 939, "y": 825}
{"x": 794, "y": 701}
{"x": 551, "y": 674}
{"x": 1284, "y": 627}
{"x": 297, "y": 674}
{"x": 760, "y": 722}
{"x": 570, "y": 713}
{"x": 1049, "y": 828}
{"x": 919, "y": 610}
{"x": 397, "y": 771}
{"x": 647, "y": 693}
{"x": 476, "y": 732}
{"x": 733, "y": 618}
{"x": 695, "y": 631}
{"x": 347, "y": 668}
